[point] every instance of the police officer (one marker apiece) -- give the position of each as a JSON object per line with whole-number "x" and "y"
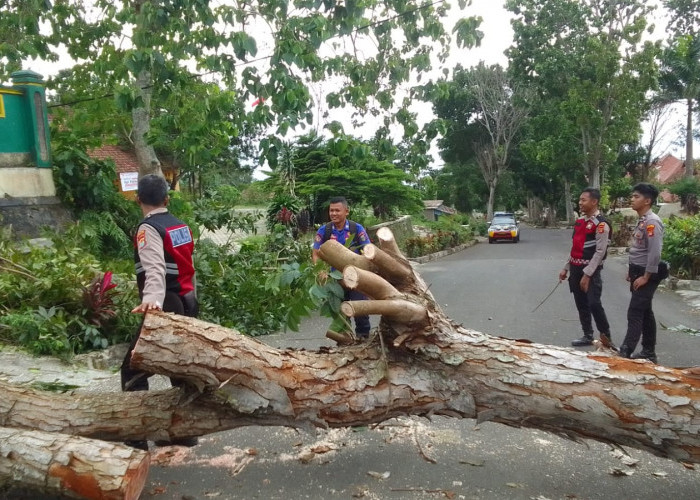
{"x": 644, "y": 259}
{"x": 165, "y": 275}
{"x": 353, "y": 236}
{"x": 591, "y": 236}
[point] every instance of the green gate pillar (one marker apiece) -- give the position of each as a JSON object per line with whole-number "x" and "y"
{"x": 32, "y": 86}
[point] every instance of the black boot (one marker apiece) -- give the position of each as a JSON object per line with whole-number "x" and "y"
{"x": 183, "y": 441}
{"x": 585, "y": 340}
{"x": 624, "y": 351}
{"x": 645, "y": 354}
{"x": 140, "y": 445}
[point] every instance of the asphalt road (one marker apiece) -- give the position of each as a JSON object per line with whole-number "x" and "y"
{"x": 494, "y": 288}
{"x": 491, "y": 288}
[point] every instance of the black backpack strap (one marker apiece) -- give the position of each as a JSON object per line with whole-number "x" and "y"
{"x": 327, "y": 231}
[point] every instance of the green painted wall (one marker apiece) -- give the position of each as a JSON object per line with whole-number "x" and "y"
{"x": 24, "y": 125}
{"x": 15, "y": 131}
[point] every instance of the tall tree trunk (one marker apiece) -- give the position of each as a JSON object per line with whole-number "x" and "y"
{"x": 141, "y": 117}
{"x": 689, "y": 161}
{"x": 492, "y": 199}
{"x": 567, "y": 201}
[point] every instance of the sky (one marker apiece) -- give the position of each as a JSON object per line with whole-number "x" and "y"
{"x": 498, "y": 36}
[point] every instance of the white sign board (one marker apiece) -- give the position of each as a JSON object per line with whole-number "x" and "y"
{"x": 130, "y": 181}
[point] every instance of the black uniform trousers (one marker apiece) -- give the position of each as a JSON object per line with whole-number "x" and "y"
{"x": 137, "y": 380}
{"x": 640, "y": 317}
{"x": 589, "y": 303}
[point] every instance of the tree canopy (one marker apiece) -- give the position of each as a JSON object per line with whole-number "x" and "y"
{"x": 145, "y": 53}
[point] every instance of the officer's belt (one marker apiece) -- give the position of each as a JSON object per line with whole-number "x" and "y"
{"x": 578, "y": 262}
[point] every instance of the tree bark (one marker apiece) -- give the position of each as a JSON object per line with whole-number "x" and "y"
{"x": 76, "y": 467}
{"x": 141, "y": 118}
{"x": 689, "y": 160}
{"x": 439, "y": 369}
{"x": 418, "y": 363}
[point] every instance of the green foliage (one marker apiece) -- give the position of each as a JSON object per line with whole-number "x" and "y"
{"x": 258, "y": 290}
{"x": 682, "y": 246}
{"x": 688, "y": 190}
{"x": 346, "y": 166}
{"x": 614, "y": 191}
{"x": 58, "y": 300}
{"x": 176, "y": 47}
{"x": 445, "y": 233}
{"x": 88, "y": 186}
{"x": 282, "y": 210}
{"x": 255, "y": 194}
{"x": 216, "y": 210}
{"x": 622, "y": 229}
{"x": 591, "y": 70}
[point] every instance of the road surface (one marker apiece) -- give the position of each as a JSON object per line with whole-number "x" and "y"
{"x": 491, "y": 288}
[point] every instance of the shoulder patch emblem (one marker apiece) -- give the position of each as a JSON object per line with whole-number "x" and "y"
{"x": 650, "y": 230}
{"x": 601, "y": 227}
{"x": 141, "y": 239}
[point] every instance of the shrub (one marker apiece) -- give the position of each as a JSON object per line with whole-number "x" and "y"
{"x": 682, "y": 246}
{"x": 687, "y": 189}
{"x": 256, "y": 194}
{"x": 258, "y": 290}
{"x": 59, "y": 300}
{"x": 622, "y": 228}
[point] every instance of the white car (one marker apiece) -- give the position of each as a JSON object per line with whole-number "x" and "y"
{"x": 504, "y": 227}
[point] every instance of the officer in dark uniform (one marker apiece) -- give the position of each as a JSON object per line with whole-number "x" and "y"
{"x": 353, "y": 236}
{"x": 644, "y": 260}
{"x": 591, "y": 236}
{"x": 165, "y": 275}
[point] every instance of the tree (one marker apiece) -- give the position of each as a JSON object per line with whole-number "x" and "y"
{"x": 680, "y": 80}
{"x": 20, "y": 33}
{"x": 481, "y": 114}
{"x": 345, "y": 166}
{"x": 502, "y": 113}
{"x": 589, "y": 60}
{"x": 419, "y": 363}
{"x": 146, "y": 50}
{"x": 684, "y": 16}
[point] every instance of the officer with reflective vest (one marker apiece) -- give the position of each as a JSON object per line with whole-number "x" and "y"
{"x": 646, "y": 270}
{"x": 353, "y": 236}
{"x": 165, "y": 275}
{"x": 592, "y": 233}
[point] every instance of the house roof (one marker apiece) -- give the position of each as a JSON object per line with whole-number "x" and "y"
{"x": 432, "y": 203}
{"x": 438, "y": 205}
{"x": 669, "y": 168}
{"x": 124, "y": 160}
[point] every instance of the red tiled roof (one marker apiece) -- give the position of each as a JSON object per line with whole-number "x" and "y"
{"x": 124, "y": 160}
{"x": 669, "y": 168}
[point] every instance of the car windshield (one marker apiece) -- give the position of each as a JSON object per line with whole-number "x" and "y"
{"x": 503, "y": 221}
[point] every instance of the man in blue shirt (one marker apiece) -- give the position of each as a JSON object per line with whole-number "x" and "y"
{"x": 353, "y": 236}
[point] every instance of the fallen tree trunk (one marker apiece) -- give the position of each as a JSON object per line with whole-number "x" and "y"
{"x": 417, "y": 363}
{"x": 453, "y": 371}
{"x": 58, "y": 464}
{"x": 145, "y": 415}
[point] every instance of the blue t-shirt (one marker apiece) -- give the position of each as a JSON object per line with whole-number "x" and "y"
{"x": 342, "y": 236}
